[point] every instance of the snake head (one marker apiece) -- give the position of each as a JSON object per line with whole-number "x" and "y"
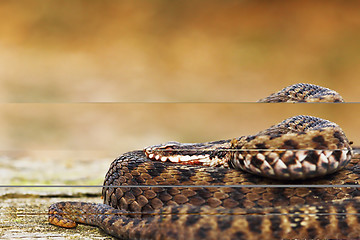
{"x": 206, "y": 154}
{"x": 161, "y": 150}
{"x": 174, "y": 152}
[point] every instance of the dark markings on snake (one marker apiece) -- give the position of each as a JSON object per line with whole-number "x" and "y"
{"x": 342, "y": 224}
{"x": 104, "y": 218}
{"x": 324, "y": 220}
{"x": 290, "y": 144}
{"x": 261, "y": 146}
{"x": 338, "y": 135}
{"x": 250, "y": 138}
{"x": 290, "y": 160}
{"x": 174, "y": 217}
{"x": 156, "y": 171}
{"x": 257, "y": 162}
{"x": 337, "y": 155}
{"x": 218, "y": 153}
{"x": 266, "y": 168}
{"x": 202, "y": 232}
{"x": 312, "y": 157}
{"x": 275, "y": 223}
{"x": 269, "y": 159}
{"x": 319, "y": 139}
{"x": 192, "y": 219}
{"x": 239, "y": 235}
{"x": 298, "y": 169}
{"x": 255, "y": 224}
{"x": 312, "y": 232}
{"x": 296, "y": 221}
{"x": 111, "y": 221}
{"x": 285, "y": 171}
{"x": 275, "y": 136}
{"x": 171, "y": 235}
{"x": 225, "y": 223}
{"x": 185, "y": 173}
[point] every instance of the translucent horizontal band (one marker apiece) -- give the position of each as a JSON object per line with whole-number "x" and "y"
{"x": 189, "y": 186}
{"x": 243, "y": 149}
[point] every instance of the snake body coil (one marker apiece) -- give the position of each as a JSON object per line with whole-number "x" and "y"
{"x": 300, "y": 147}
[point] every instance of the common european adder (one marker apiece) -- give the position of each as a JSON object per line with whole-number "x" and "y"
{"x": 200, "y": 191}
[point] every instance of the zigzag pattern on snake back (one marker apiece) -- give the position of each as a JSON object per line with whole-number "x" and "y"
{"x": 301, "y": 147}
{"x": 304, "y": 92}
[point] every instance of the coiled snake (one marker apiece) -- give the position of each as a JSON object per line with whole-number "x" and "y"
{"x": 246, "y": 206}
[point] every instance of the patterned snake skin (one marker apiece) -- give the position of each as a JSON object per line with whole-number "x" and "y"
{"x": 199, "y": 201}
{"x": 303, "y": 92}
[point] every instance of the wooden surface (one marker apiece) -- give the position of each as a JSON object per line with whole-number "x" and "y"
{"x": 23, "y": 210}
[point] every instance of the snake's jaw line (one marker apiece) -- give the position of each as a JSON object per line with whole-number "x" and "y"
{"x": 191, "y": 153}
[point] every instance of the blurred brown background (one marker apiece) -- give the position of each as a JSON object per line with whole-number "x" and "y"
{"x": 57, "y": 55}
{"x": 82, "y": 81}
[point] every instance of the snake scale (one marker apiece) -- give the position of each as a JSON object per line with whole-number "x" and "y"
{"x": 299, "y": 150}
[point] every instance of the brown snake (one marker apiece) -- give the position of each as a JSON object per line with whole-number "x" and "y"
{"x": 166, "y": 207}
